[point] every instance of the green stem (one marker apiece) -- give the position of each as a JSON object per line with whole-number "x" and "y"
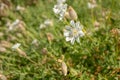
{"x": 31, "y": 60}
{"x": 65, "y": 21}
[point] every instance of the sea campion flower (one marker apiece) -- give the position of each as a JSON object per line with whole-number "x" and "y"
{"x": 73, "y": 32}
{"x": 60, "y": 10}
{"x": 47, "y": 23}
{"x": 14, "y": 24}
{"x": 17, "y": 24}
{"x": 92, "y": 4}
{"x": 17, "y": 45}
{"x": 34, "y": 41}
{"x": 42, "y": 26}
{"x": 16, "y": 48}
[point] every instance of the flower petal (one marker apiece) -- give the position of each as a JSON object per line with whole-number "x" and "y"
{"x": 77, "y": 24}
{"x": 81, "y": 33}
{"x": 66, "y": 33}
{"x": 72, "y": 23}
{"x": 16, "y": 46}
{"x": 78, "y": 40}
{"x": 68, "y": 39}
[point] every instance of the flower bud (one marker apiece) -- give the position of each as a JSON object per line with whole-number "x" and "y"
{"x": 3, "y": 77}
{"x": 115, "y": 32}
{"x": 2, "y": 49}
{"x": 64, "y": 68}
{"x": 50, "y": 37}
{"x": 48, "y": 22}
{"x": 96, "y": 24}
{"x": 16, "y": 47}
{"x": 5, "y": 44}
{"x": 21, "y": 53}
{"x": 67, "y": 15}
{"x": 19, "y": 8}
{"x": 44, "y": 51}
{"x": 72, "y": 13}
{"x": 1, "y": 34}
{"x": 3, "y": 10}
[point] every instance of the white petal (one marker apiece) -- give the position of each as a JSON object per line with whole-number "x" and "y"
{"x": 68, "y": 27}
{"x": 56, "y": 9}
{"x": 66, "y": 33}
{"x": 34, "y": 41}
{"x": 91, "y": 5}
{"x": 81, "y": 33}
{"x": 81, "y": 27}
{"x": 11, "y": 27}
{"x": 72, "y": 23}
{"x": 78, "y": 40}
{"x": 65, "y": 7}
{"x": 77, "y": 24}
{"x": 47, "y": 22}
{"x": 72, "y": 40}
{"x": 68, "y": 39}
{"x": 60, "y": 18}
{"x": 42, "y": 26}
{"x": 16, "y": 22}
{"x": 16, "y": 46}
{"x": 60, "y": 9}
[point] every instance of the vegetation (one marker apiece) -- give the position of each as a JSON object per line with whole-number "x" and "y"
{"x": 43, "y": 47}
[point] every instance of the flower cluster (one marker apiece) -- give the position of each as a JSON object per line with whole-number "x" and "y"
{"x": 17, "y": 24}
{"x": 73, "y": 31}
{"x": 60, "y": 9}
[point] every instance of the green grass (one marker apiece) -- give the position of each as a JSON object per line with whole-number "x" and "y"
{"x": 96, "y": 57}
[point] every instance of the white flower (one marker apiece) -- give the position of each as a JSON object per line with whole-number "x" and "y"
{"x": 16, "y": 46}
{"x": 60, "y": 10}
{"x": 2, "y": 49}
{"x": 46, "y": 24}
{"x": 42, "y": 26}
{"x": 91, "y": 5}
{"x": 14, "y": 24}
{"x": 34, "y": 41}
{"x": 73, "y": 32}
{"x": 19, "y": 8}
